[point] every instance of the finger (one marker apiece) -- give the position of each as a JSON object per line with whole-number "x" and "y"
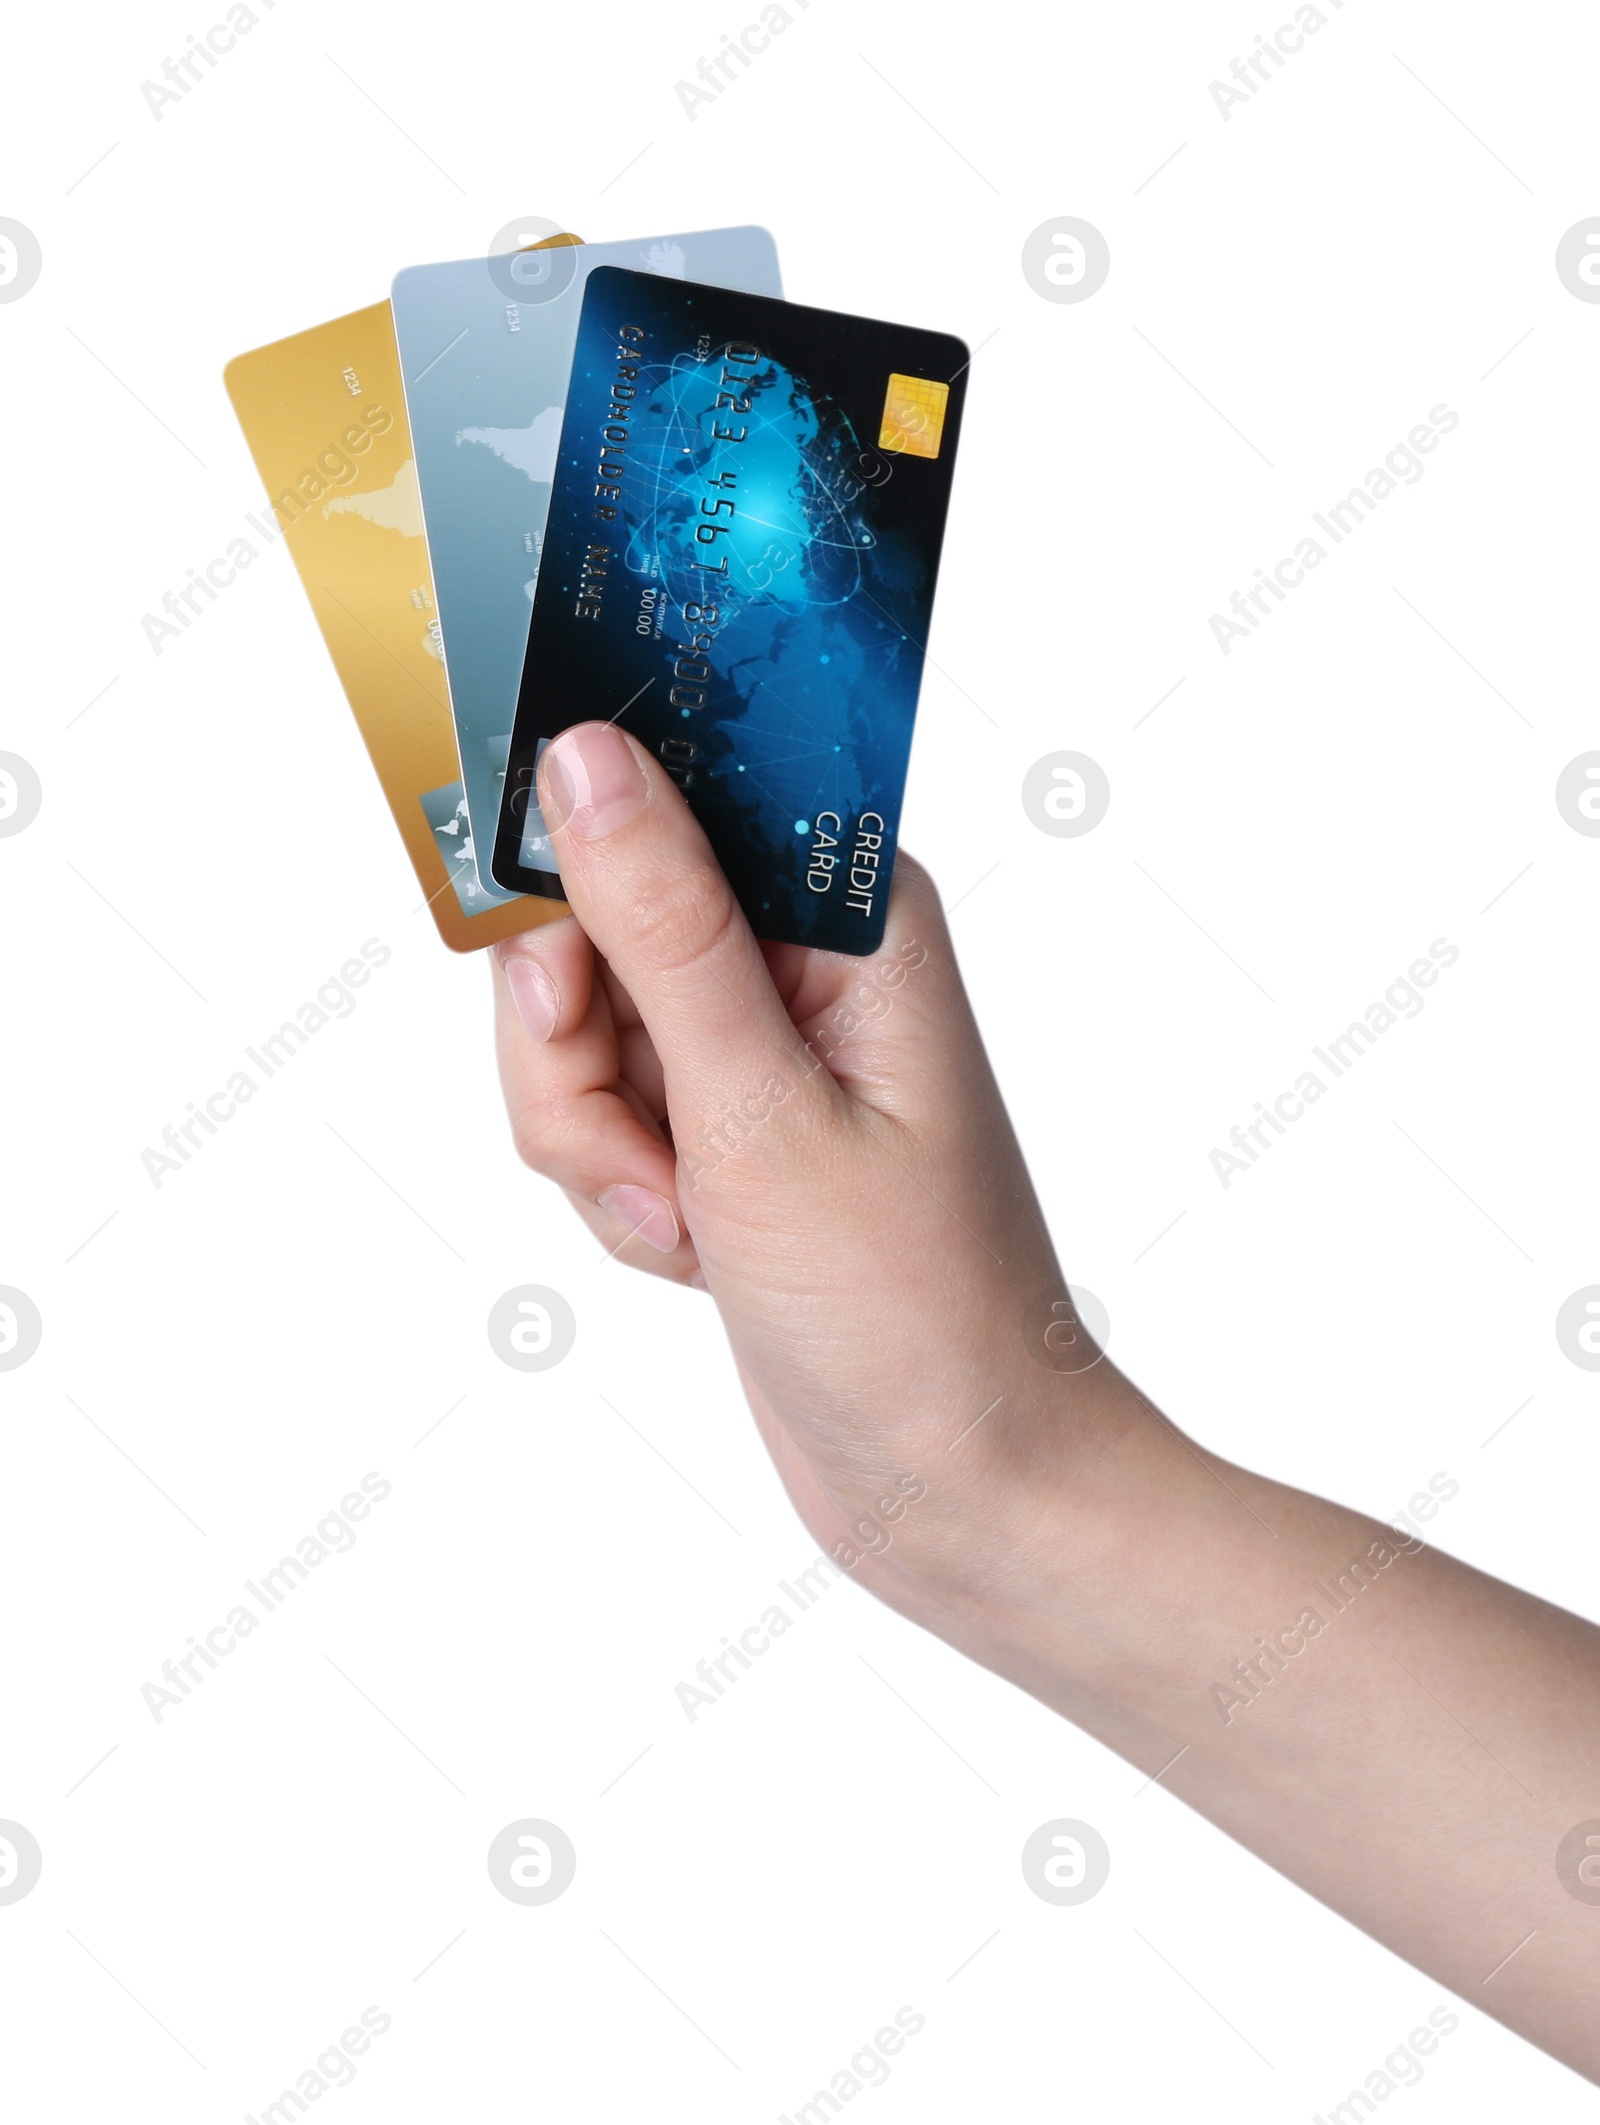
{"x": 681, "y": 1266}
{"x": 550, "y": 973}
{"x": 571, "y": 1118}
{"x": 895, "y": 1028}
{"x": 643, "y": 882}
{"x": 639, "y": 1067}
{"x": 623, "y": 1008}
{"x": 900, "y": 1017}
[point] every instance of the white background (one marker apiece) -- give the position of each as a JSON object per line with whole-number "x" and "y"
{"x": 1369, "y": 771}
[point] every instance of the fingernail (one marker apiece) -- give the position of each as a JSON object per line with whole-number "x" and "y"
{"x": 535, "y": 995}
{"x": 593, "y": 780}
{"x": 698, "y": 1283}
{"x": 650, "y": 1216}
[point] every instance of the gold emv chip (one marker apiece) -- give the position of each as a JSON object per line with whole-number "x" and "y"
{"x": 913, "y": 416}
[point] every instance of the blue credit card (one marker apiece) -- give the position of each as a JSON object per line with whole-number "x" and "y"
{"x": 486, "y": 351}
{"x": 739, "y": 565}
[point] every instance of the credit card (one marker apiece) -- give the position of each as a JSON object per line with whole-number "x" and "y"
{"x": 739, "y": 569}
{"x": 324, "y": 415}
{"x": 486, "y": 346}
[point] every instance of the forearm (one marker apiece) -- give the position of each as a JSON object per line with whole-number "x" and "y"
{"x": 1406, "y": 1737}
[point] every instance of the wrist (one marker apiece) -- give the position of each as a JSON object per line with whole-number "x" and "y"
{"x": 1030, "y": 1530}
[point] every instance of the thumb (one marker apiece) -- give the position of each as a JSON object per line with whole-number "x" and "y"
{"x": 642, "y": 880}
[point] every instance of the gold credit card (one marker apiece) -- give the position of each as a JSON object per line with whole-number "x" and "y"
{"x": 324, "y": 414}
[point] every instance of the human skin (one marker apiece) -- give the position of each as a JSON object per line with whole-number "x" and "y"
{"x": 819, "y": 1142}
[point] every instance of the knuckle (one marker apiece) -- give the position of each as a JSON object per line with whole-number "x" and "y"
{"x": 527, "y": 1136}
{"x": 916, "y": 911}
{"x": 686, "y": 918}
{"x": 545, "y": 1134}
{"x": 916, "y": 883}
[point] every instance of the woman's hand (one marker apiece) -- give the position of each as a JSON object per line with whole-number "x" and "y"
{"x": 819, "y": 1141}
